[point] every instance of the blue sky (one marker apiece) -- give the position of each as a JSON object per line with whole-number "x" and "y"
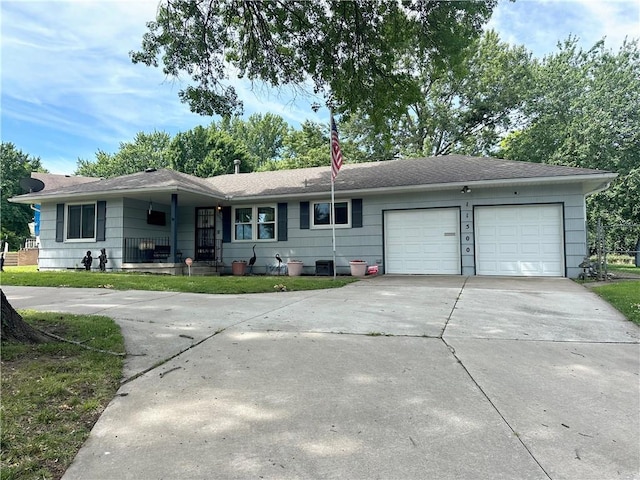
{"x": 69, "y": 89}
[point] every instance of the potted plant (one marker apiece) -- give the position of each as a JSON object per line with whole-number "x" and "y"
{"x": 358, "y": 268}
{"x": 238, "y": 267}
{"x": 294, "y": 268}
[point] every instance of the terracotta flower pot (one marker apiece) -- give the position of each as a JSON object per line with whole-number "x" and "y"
{"x": 238, "y": 268}
{"x": 358, "y": 268}
{"x": 294, "y": 267}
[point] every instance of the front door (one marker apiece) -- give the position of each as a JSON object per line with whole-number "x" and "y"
{"x": 205, "y": 234}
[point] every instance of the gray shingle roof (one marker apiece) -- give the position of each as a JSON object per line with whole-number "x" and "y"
{"x": 55, "y": 182}
{"x": 451, "y": 169}
{"x": 414, "y": 172}
{"x": 137, "y": 182}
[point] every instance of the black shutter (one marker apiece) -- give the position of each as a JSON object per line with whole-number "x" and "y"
{"x": 226, "y": 224}
{"x": 356, "y": 213}
{"x": 282, "y": 222}
{"x": 101, "y": 224}
{"x": 60, "y": 222}
{"x": 304, "y": 215}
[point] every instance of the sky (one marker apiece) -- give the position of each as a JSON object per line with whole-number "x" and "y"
{"x": 68, "y": 88}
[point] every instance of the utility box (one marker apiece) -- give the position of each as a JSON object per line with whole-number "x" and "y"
{"x": 324, "y": 267}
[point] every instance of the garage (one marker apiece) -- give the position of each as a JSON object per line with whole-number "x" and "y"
{"x": 519, "y": 240}
{"x": 424, "y": 241}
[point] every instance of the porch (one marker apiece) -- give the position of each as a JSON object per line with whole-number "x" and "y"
{"x": 155, "y": 255}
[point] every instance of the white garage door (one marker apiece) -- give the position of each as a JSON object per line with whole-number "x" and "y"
{"x": 422, "y": 241}
{"x": 523, "y": 240}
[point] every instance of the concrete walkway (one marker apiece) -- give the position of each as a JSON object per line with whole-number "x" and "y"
{"x": 390, "y": 378}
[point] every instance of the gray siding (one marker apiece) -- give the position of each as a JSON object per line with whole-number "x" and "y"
{"x": 366, "y": 243}
{"x": 63, "y": 255}
{"x": 127, "y": 218}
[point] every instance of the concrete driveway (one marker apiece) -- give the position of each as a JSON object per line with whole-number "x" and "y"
{"x": 390, "y": 378}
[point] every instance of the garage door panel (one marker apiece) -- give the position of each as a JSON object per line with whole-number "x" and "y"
{"x": 508, "y": 249}
{"x": 508, "y": 232}
{"x": 528, "y": 241}
{"x": 422, "y": 241}
{"x": 530, "y": 230}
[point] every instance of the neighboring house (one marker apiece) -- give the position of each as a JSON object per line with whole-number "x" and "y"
{"x": 453, "y": 215}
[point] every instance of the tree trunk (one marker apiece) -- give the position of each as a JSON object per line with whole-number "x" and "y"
{"x": 14, "y": 328}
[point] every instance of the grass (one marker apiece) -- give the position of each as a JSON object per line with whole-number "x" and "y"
{"x": 624, "y": 296}
{"x": 53, "y": 393}
{"x": 29, "y": 276}
{"x": 623, "y": 269}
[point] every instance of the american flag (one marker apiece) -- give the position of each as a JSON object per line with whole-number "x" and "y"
{"x": 336, "y": 154}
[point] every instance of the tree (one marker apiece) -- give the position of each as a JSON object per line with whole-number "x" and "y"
{"x": 262, "y": 135}
{"x": 206, "y": 152}
{"x": 14, "y": 328}
{"x": 585, "y": 111}
{"x": 354, "y": 53}
{"x": 307, "y": 147}
{"x": 147, "y": 150}
{"x": 15, "y": 166}
{"x": 460, "y": 110}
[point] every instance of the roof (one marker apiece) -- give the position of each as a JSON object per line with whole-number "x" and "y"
{"x": 428, "y": 173}
{"x": 55, "y": 182}
{"x": 452, "y": 170}
{"x": 151, "y": 181}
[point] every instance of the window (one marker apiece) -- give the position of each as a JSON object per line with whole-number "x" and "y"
{"x": 322, "y": 214}
{"x": 255, "y": 223}
{"x": 81, "y": 222}
{"x": 266, "y": 223}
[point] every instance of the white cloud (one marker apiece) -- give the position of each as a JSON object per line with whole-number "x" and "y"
{"x": 541, "y": 24}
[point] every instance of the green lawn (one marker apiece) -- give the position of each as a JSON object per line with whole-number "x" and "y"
{"x": 624, "y": 270}
{"x": 623, "y": 295}
{"x": 53, "y": 393}
{"x": 29, "y": 276}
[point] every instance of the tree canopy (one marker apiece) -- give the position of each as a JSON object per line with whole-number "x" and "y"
{"x": 352, "y": 53}
{"x": 147, "y": 150}
{"x": 263, "y": 136}
{"x": 15, "y": 166}
{"x": 584, "y": 110}
{"x": 463, "y": 110}
{"x": 206, "y": 152}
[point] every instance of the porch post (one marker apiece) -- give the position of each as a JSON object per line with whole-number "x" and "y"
{"x": 174, "y": 227}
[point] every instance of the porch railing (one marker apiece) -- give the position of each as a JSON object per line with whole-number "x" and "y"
{"x": 146, "y": 249}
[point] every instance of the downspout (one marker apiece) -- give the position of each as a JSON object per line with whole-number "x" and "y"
{"x": 174, "y": 227}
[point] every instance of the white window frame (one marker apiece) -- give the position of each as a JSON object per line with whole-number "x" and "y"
{"x": 312, "y": 211}
{"x": 67, "y": 218}
{"x": 255, "y": 224}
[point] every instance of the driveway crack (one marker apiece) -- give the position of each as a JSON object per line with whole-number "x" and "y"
{"x": 493, "y": 405}
{"x": 444, "y": 327}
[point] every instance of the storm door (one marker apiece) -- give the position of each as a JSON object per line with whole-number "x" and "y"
{"x": 205, "y": 234}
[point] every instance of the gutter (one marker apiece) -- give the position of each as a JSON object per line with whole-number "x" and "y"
{"x": 30, "y": 199}
{"x": 605, "y": 179}
{"x": 439, "y": 187}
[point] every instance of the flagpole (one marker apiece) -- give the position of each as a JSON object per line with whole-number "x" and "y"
{"x": 333, "y": 228}
{"x": 332, "y": 211}
{"x": 336, "y": 163}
